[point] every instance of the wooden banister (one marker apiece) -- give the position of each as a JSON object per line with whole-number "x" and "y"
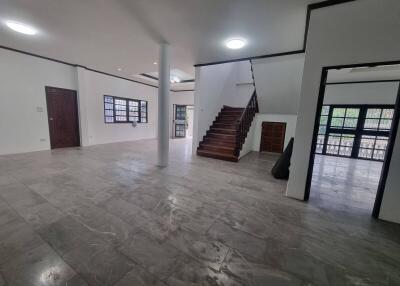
{"x": 244, "y": 122}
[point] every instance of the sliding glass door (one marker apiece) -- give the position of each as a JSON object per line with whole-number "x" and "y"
{"x": 355, "y": 131}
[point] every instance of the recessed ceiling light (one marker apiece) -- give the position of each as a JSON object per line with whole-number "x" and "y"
{"x": 235, "y": 43}
{"x": 119, "y": 69}
{"x": 21, "y": 28}
{"x": 154, "y": 63}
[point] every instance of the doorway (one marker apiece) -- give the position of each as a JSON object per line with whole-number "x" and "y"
{"x": 272, "y": 137}
{"x": 183, "y": 121}
{"x": 62, "y": 111}
{"x": 355, "y": 127}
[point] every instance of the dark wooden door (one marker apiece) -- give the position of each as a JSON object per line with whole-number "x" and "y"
{"x": 273, "y": 136}
{"x": 62, "y": 111}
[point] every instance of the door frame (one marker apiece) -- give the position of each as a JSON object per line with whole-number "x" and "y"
{"x": 284, "y": 135}
{"x": 391, "y": 141}
{"x": 77, "y": 114}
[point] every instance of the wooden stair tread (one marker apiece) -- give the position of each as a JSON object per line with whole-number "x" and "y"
{"x": 205, "y": 144}
{"x": 217, "y": 155}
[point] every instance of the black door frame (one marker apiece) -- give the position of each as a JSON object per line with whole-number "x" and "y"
{"x": 392, "y": 134}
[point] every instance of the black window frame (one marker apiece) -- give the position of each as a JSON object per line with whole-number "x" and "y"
{"x": 141, "y": 119}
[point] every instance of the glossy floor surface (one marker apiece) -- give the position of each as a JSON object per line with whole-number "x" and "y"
{"x": 106, "y": 215}
{"x": 345, "y": 184}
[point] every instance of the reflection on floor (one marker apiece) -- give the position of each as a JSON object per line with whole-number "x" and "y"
{"x": 345, "y": 183}
{"x": 105, "y": 215}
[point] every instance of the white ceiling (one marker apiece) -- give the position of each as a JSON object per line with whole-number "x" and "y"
{"x": 387, "y": 72}
{"x": 111, "y": 34}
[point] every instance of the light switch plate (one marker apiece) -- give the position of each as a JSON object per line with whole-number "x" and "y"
{"x": 39, "y": 109}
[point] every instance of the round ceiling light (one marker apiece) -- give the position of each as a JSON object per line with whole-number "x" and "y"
{"x": 21, "y": 28}
{"x": 235, "y": 44}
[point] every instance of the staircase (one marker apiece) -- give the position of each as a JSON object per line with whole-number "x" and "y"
{"x": 226, "y": 136}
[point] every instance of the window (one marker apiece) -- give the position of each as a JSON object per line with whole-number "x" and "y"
{"x": 143, "y": 111}
{"x": 322, "y": 128}
{"x": 379, "y": 119}
{"x": 373, "y": 147}
{"x": 108, "y": 109}
{"x": 124, "y": 110}
{"x": 357, "y": 131}
{"x": 133, "y": 110}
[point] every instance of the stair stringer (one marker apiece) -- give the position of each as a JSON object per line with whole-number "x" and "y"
{"x": 249, "y": 141}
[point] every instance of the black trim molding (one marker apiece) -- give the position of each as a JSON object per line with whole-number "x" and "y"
{"x": 362, "y": 81}
{"x": 156, "y": 78}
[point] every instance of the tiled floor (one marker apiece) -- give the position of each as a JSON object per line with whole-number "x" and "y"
{"x": 105, "y": 215}
{"x": 345, "y": 183}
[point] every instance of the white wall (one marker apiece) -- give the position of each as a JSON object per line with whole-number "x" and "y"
{"x": 180, "y": 98}
{"x": 23, "y": 111}
{"x": 96, "y": 86}
{"x": 215, "y": 86}
{"x": 361, "y": 93}
{"x": 278, "y": 83}
{"x": 354, "y": 32}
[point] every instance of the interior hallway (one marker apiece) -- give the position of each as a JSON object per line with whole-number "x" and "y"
{"x": 105, "y": 215}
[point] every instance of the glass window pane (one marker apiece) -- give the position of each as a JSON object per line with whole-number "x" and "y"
{"x": 374, "y": 113}
{"x": 332, "y": 149}
{"x": 379, "y": 154}
{"x": 334, "y": 139}
{"x": 108, "y": 99}
{"x": 387, "y": 113}
{"x": 347, "y": 140}
{"x": 367, "y": 141}
{"x": 323, "y": 120}
{"x": 337, "y": 122}
{"x": 339, "y": 112}
{"x": 381, "y": 143}
{"x": 325, "y": 110}
{"x": 109, "y": 119}
{"x": 352, "y": 112}
{"x": 371, "y": 124}
{"x": 350, "y": 123}
{"x": 345, "y": 151}
{"x": 385, "y": 124}
{"x": 322, "y": 129}
{"x": 365, "y": 153}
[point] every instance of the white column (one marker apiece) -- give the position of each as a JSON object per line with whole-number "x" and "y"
{"x": 163, "y": 105}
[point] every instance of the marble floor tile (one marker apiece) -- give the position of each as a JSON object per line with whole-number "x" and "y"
{"x": 158, "y": 258}
{"x": 139, "y": 277}
{"x": 107, "y": 215}
{"x": 39, "y": 266}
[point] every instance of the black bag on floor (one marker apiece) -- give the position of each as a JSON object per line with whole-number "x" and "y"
{"x": 281, "y": 167}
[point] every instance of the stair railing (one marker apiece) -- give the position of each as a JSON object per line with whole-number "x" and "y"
{"x": 244, "y": 122}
